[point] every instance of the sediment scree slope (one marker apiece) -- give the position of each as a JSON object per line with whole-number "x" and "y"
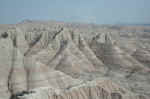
{"x": 56, "y": 60}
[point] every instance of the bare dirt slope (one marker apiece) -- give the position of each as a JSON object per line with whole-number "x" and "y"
{"x": 56, "y": 60}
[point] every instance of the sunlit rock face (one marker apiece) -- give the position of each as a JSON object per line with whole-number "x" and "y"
{"x": 56, "y": 60}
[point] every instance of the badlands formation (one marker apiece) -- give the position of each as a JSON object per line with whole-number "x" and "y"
{"x": 56, "y": 60}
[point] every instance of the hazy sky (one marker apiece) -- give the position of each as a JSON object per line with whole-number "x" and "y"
{"x": 91, "y": 11}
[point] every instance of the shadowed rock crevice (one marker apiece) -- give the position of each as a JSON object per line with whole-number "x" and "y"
{"x": 4, "y": 35}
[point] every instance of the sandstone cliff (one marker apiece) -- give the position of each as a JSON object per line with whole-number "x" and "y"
{"x": 51, "y": 60}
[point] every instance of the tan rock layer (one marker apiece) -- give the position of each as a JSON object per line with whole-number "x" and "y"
{"x": 24, "y": 67}
{"x": 89, "y": 90}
